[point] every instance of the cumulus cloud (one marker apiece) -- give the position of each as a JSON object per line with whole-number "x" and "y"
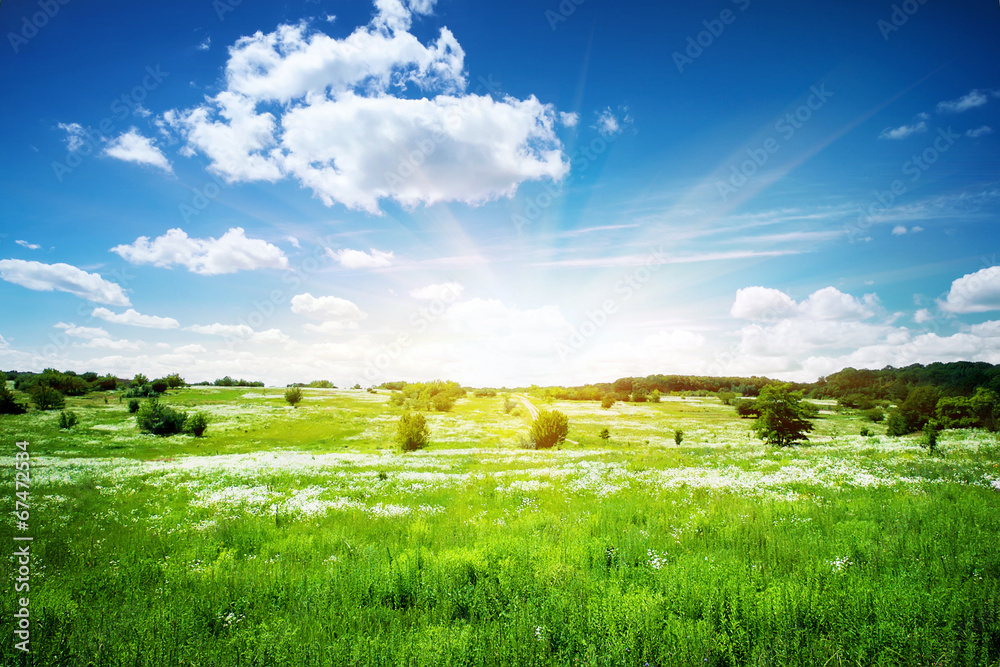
{"x": 359, "y": 259}
{"x": 334, "y": 114}
{"x": 923, "y": 315}
{"x": 446, "y": 291}
{"x": 76, "y": 136}
{"x": 29, "y": 246}
{"x": 973, "y": 99}
{"x": 136, "y": 319}
{"x": 761, "y": 303}
{"x": 334, "y": 311}
{"x": 133, "y": 147}
{"x": 977, "y": 292}
{"x": 241, "y": 331}
{"x": 830, "y": 303}
{"x": 82, "y": 332}
{"x": 231, "y": 253}
{"x": 63, "y": 278}
{"x": 903, "y": 131}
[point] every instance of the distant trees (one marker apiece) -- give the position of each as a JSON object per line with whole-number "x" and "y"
{"x": 293, "y": 395}
{"x": 782, "y": 418}
{"x": 412, "y": 432}
{"x": 438, "y": 395}
{"x": 914, "y": 413}
{"x": 230, "y": 382}
{"x": 550, "y": 428}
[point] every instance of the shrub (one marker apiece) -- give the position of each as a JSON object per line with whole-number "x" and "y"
{"x": 197, "y": 423}
{"x": 605, "y": 434}
{"x": 293, "y": 395}
{"x": 159, "y": 386}
{"x": 68, "y": 419}
{"x": 133, "y": 405}
{"x": 140, "y": 391}
{"x": 485, "y": 392}
{"x": 865, "y": 433}
{"x": 46, "y": 398}
{"x": 508, "y": 404}
{"x": 412, "y": 432}
{"x": 607, "y": 401}
{"x": 8, "y": 406}
{"x": 654, "y": 397}
{"x": 726, "y": 397}
{"x": 931, "y": 429}
{"x": 549, "y": 429}
{"x": 678, "y": 437}
{"x": 158, "y": 419}
{"x": 874, "y": 415}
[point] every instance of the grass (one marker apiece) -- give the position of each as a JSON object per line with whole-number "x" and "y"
{"x": 301, "y": 536}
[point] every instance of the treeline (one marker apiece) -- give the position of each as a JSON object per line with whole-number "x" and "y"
{"x": 641, "y": 389}
{"x": 438, "y": 395}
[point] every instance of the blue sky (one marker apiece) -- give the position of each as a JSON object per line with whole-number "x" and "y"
{"x": 499, "y": 194}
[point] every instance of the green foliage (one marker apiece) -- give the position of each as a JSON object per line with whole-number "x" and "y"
{"x": 726, "y": 397}
{"x": 639, "y": 395}
{"x": 412, "y": 432}
{"x": 133, "y": 405}
{"x": 678, "y": 437}
{"x": 605, "y": 434}
{"x": 139, "y": 380}
{"x": 782, "y": 418}
{"x": 874, "y": 415}
{"x": 105, "y": 383}
{"x": 897, "y": 424}
{"x": 68, "y": 419}
{"x": 140, "y": 391}
{"x": 746, "y": 407}
{"x": 550, "y": 428}
{"x": 607, "y": 401}
{"x": 175, "y": 381}
{"x": 196, "y": 424}
{"x": 46, "y": 398}
{"x": 931, "y": 429}
{"x": 654, "y": 396}
{"x": 986, "y": 407}
{"x": 485, "y": 392}
{"x": 321, "y": 384}
{"x": 437, "y": 395}
{"x": 159, "y": 386}
{"x": 8, "y": 405}
{"x": 230, "y": 382}
{"x": 919, "y": 407}
{"x": 293, "y": 395}
{"x": 508, "y": 404}
{"x": 158, "y": 419}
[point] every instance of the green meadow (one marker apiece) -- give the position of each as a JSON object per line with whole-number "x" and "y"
{"x": 304, "y": 536}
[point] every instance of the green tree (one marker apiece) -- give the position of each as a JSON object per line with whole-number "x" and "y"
{"x": 139, "y": 380}
{"x": 549, "y": 429}
{"x": 8, "y": 406}
{"x": 293, "y": 395}
{"x": 196, "y": 424}
{"x": 46, "y": 398}
{"x": 412, "y": 432}
{"x": 782, "y": 418}
{"x": 986, "y": 406}
{"x": 158, "y": 419}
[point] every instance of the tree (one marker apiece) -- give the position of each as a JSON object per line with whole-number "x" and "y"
{"x": 782, "y": 418}
{"x": 197, "y": 423}
{"x": 746, "y": 407}
{"x": 139, "y": 380}
{"x": 175, "y": 381}
{"x": 160, "y": 385}
{"x": 158, "y": 419}
{"x": 46, "y": 398}
{"x": 549, "y": 429}
{"x": 293, "y": 395}
{"x": 607, "y": 401}
{"x": 654, "y": 396}
{"x": 412, "y": 432}
{"x": 8, "y": 406}
{"x": 986, "y": 406}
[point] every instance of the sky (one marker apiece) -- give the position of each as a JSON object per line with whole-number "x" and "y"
{"x": 500, "y": 194}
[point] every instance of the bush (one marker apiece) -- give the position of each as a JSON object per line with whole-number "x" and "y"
{"x": 139, "y": 380}
{"x": 874, "y": 415}
{"x": 140, "y": 391}
{"x": 8, "y": 406}
{"x": 197, "y": 423}
{"x": 159, "y": 386}
{"x": 726, "y": 397}
{"x": 654, "y": 397}
{"x": 293, "y": 395}
{"x": 865, "y": 433}
{"x": 746, "y": 408}
{"x": 133, "y": 405}
{"x": 678, "y": 437}
{"x": 68, "y": 419}
{"x": 158, "y": 419}
{"x": 931, "y": 429}
{"x": 549, "y": 429}
{"x": 604, "y": 435}
{"x": 412, "y": 432}
{"x": 46, "y": 398}
{"x": 607, "y": 401}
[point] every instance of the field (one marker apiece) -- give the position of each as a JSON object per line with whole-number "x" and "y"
{"x": 302, "y": 536}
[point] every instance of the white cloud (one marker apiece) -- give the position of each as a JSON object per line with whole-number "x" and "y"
{"x": 133, "y": 147}
{"x": 903, "y": 131}
{"x": 830, "y": 303}
{"x": 899, "y": 230}
{"x": 241, "y": 331}
{"x": 445, "y": 291}
{"x": 761, "y": 303}
{"x": 359, "y": 259}
{"x": 63, "y": 278}
{"x": 82, "y": 332}
{"x": 76, "y": 136}
{"x": 981, "y": 131}
{"x": 337, "y": 120}
{"x": 205, "y": 45}
{"x": 133, "y": 318}
{"x": 193, "y": 348}
{"x": 607, "y": 123}
{"x": 923, "y": 315}
{"x": 327, "y": 308}
{"x": 294, "y": 241}
{"x": 29, "y": 246}
{"x": 231, "y": 253}
{"x": 569, "y": 119}
{"x": 111, "y": 344}
{"x": 977, "y": 292}
{"x": 916, "y": 230}
{"x": 972, "y": 100}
